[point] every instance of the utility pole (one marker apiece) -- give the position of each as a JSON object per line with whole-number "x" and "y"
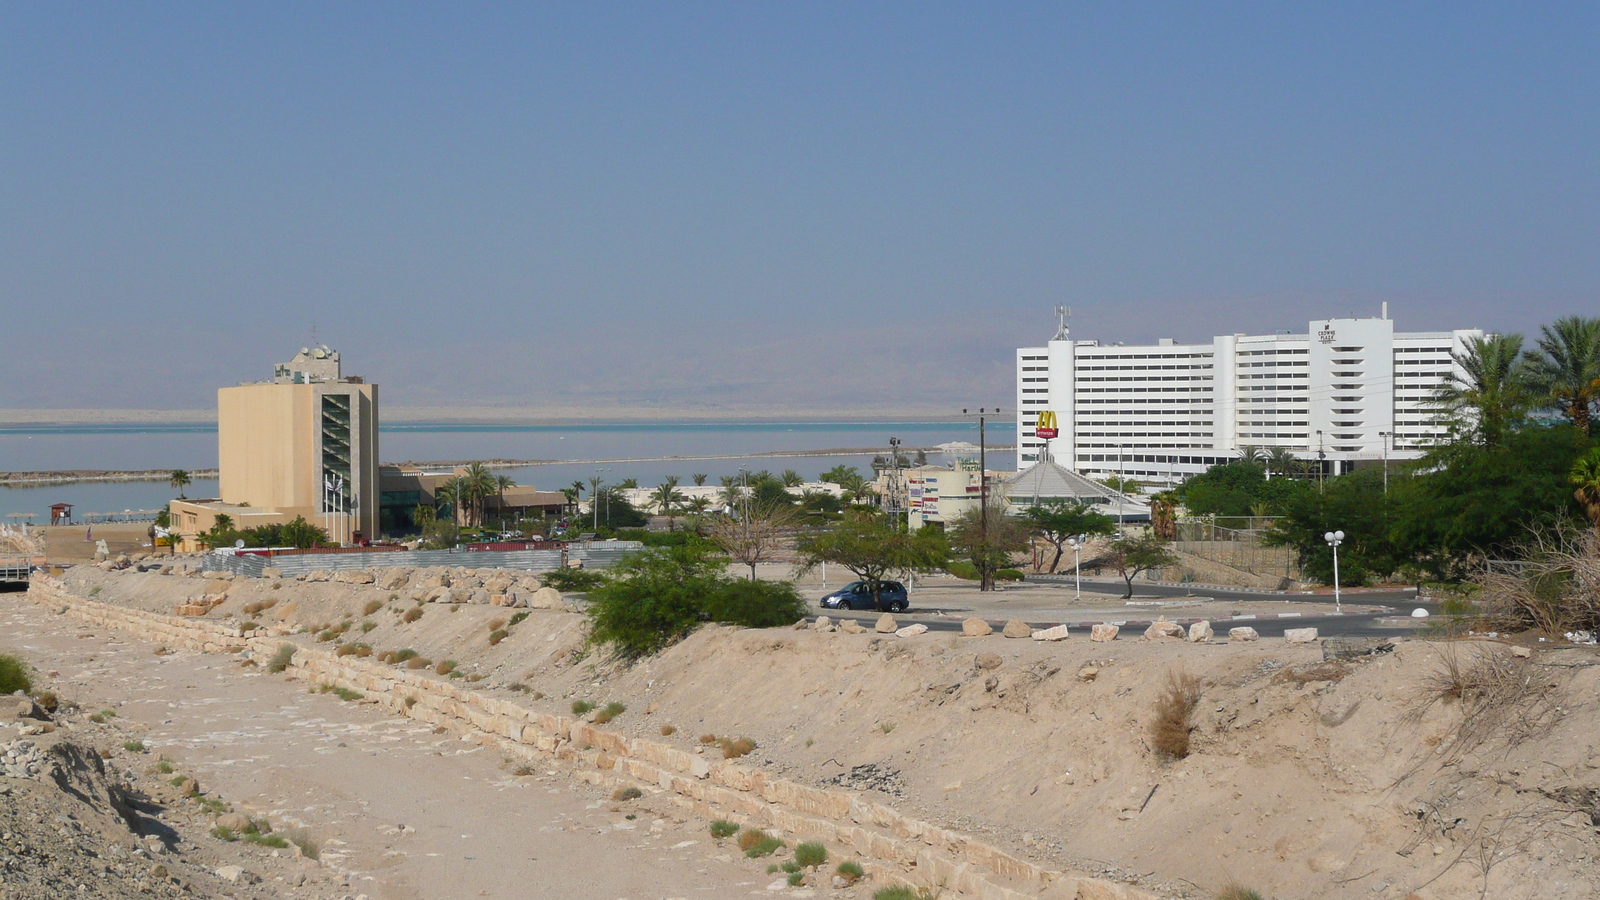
{"x": 987, "y": 584}
{"x": 1385, "y": 435}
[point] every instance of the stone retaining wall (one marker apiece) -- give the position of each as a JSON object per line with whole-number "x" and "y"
{"x": 896, "y": 848}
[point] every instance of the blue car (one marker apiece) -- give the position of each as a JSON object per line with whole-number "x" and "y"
{"x": 857, "y": 595}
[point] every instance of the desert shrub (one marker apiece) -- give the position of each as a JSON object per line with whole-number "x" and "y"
{"x": 796, "y": 879}
{"x": 47, "y": 701}
{"x": 344, "y": 693}
{"x": 13, "y": 674}
{"x": 498, "y": 635}
{"x": 389, "y": 656}
{"x": 1174, "y": 712}
{"x": 708, "y": 739}
{"x": 282, "y": 658}
{"x": 810, "y": 854}
{"x": 658, "y": 596}
{"x": 573, "y": 580}
{"x": 367, "y": 625}
{"x": 757, "y": 843}
{"x": 668, "y": 730}
{"x": 223, "y": 833}
{"x": 722, "y": 828}
{"x": 412, "y": 614}
{"x": 371, "y": 607}
{"x": 850, "y": 871}
{"x": 135, "y": 747}
{"x": 1237, "y": 892}
{"x": 446, "y": 667}
{"x": 302, "y": 839}
{"x": 611, "y": 711}
{"x": 404, "y": 655}
{"x": 103, "y": 716}
{"x": 627, "y": 793}
{"x": 418, "y": 662}
{"x": 410, "y": 702}
{"x": 516, "y": 619}
{"x": 733, "y": 749}
{"x": 276, "y": 841}
{"x": 164, "y": 768}
{"x": 901, "y": 892}
{"x": 756, "y": 604}
{"x": 582, "y": 707}
{"x": 1500, "y": 696}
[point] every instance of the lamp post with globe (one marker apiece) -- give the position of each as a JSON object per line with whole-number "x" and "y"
{"x": 1334, "y": 539}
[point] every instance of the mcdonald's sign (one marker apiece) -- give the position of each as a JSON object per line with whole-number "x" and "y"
{"x": 1046, "y": 426}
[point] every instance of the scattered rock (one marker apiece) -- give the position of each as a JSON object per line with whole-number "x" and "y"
{"x": 1016, "y": 628}
{"x": 1521, "y": 652}
{"x": 1058, "y": 633}
{"x": 1243, "y": 633}
{"x": 546, "y": 598}
{"x": 823, "y": 623}
{"x": 1200, "y": 632}
{"x": 1300, "y": 635}
{"x": 238, "y": 822}
{"x": 976, "y": 627}
{"x": 1162, "y": 630}
{"x": 1088, "y": 673}
{"x": 987, "y": 661}
{"x": 1103, "y": 632}
{"x": 886, "y": 624}
{"x": 851, "y": 626}
{"x": 909, "y": 630}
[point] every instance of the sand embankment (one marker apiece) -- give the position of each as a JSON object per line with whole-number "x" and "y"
{"x": 1385, "y": 775}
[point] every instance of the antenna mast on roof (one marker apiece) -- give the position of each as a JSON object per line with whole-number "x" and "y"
{"x": 1063, "y": 313}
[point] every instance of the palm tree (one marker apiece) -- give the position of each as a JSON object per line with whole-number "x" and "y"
{"x": 791, "y": 478}
{"x": 1489, "y": 393}
{"x": 450, "y": 494}
{"x": 1164, "y": 515}
{"x": 1566, "y": 367}
{"x": 501, "y": 482}
{"x": 576, "y": 490}
{"x": 1283, "y": 462}
{"x": 480, "y": 483}
{"x": 178, "y": 480}
{"x": 1585, "y": 476}
{"x": 667, "y": 498}
{"x": 699, "y": 478}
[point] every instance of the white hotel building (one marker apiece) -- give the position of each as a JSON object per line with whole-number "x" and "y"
{"x": 1345, "y": 391}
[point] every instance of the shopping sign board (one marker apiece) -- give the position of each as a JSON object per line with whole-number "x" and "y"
{"x": 1046, "y": 426}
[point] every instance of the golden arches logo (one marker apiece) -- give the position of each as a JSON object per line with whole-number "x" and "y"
{"x": 1046, "y": 426}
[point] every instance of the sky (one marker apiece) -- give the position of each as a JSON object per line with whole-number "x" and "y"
{"x": 763, "y": 205}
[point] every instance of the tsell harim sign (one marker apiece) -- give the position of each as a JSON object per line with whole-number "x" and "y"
{"x": 1046, "y": 426}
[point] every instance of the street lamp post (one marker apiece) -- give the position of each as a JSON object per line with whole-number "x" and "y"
{"x": 1334, "y": 539}
{"x": 1385, "y": 435}
{"x": 1076, "y": 542}
{"x": 594, "y": 499}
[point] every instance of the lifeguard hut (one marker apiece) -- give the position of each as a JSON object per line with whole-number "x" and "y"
{"x": 61, "y": 514}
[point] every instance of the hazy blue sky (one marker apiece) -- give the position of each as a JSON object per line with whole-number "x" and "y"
{"x": 788, "y": 203}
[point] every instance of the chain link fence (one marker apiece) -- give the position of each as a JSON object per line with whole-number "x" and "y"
{"x": 1238, "y": 548}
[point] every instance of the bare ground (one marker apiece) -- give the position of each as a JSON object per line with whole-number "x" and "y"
{"x": 1308, "y": 777}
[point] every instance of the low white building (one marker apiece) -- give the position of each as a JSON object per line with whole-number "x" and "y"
{"x": 1343, "y": 391}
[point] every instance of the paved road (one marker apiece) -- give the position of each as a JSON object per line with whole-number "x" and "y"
{"x": 1392, "y": 617}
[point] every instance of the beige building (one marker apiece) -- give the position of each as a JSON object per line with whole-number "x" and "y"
{"x": 304, "y": 444}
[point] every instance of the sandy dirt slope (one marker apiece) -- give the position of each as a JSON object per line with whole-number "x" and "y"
{"x": 400, "y": 812}
{"x": 1308, "y": 777}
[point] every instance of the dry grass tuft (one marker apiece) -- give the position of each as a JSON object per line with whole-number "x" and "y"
{"x": 627, "y": 793}
{"x": 1236, "y": 891}
{"x": 1500, "y": 696}
{"x": 609, "y": 712}
{"x": 498, "y": 635}
{"x": 733, "y": 749}
{"x": 412, "y": 614}
{"x": 708, "y": 739}
{"x": 418, "y": 662}
{"x": 496, "y": 624}
{"x": 1174, "y": 713}
{"x": 371, "y": 607}
{"x": 668, "y": 730}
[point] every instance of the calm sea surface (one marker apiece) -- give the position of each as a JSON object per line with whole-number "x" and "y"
{"x": 571, "y": 446}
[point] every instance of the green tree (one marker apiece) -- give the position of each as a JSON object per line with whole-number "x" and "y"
{"x": 1058, "y": 519}
{"x": 1489, "y": 395}
{"x": 988, "y": 541}
{"x": 439, "y": 534}
{"x": 1585, "y": 476}
{"x": 657, "y": 597}
{"x": 791, "y": 478}
{"x": 754, "y": 538}
{"x": 477, "y": 483}
{"x": 449, "y": 495}
{"x": 1233, "y": 488}
{"x": 1355, "y": 504}
{"x": 840, "y": 475}
{"x": 869, "y": 546}
{"x": 222, "y": 533}
{"x": 1566, "y": 367}
{"x": 1132, "y": 555}
{"x": 699, "y": 478}
{"x": 1121, "y": 484}
{"x": 301, "y": 534}
{"x": 179, "y": 479}
{"x": 502, "y": 483}
{"x": 667, "y": 499}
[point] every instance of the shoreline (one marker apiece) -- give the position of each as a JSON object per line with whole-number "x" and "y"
{"x": 502, "y": 416}
{"x": 80, "y": 476}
